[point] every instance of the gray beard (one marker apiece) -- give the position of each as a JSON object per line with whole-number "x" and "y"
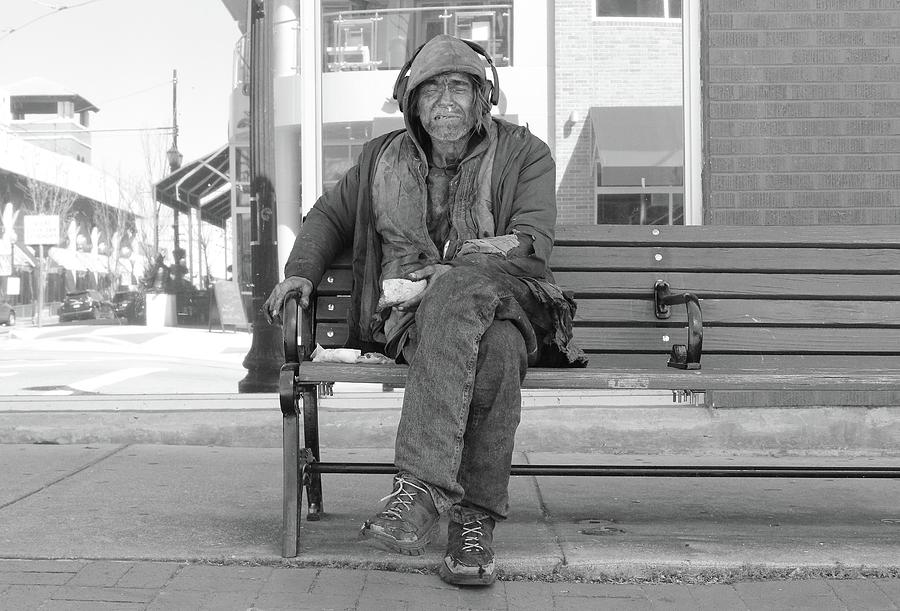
{"x": 448, "y": 133}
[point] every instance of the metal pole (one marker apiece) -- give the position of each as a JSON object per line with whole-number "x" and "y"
{"x": 263, "y": 361}
{"x": 40, "y": 283}
{"x": 175, "y": 145}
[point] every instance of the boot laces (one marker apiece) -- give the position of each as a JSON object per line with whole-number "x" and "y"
{"x": 403, "y": 499}
{"x": 471, "y": 532}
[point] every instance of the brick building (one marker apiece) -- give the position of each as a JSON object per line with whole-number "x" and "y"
{"x": 801, "y": 112}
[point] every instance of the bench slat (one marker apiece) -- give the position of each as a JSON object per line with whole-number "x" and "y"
{"x": 656, "y": 379}
{"x": 785, "y": 340}
{"x": 709, "y": 285}
{"x": 848, "y": 236}
{"x": 807, "y": 260}
{"x": 749, "y": 312}
{"x": 731, "y": 362}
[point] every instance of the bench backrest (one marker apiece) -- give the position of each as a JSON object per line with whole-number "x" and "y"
{"x": 770, "y": 296}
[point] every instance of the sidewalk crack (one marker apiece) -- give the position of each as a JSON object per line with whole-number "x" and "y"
{"x": 65, "y": 476}
{"x": 548, "y": 518}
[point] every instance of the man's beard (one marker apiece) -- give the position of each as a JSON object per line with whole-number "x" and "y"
{"x": 449, "y": 131}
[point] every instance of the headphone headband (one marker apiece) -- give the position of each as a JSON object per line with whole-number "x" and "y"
{"x": 403, "y": 78}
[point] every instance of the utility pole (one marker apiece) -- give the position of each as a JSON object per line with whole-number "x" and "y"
{"x": 264, "y": 359}
{"x": 173, "y": 155}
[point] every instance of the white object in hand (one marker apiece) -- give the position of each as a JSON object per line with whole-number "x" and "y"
{"x": 398, "y": 290}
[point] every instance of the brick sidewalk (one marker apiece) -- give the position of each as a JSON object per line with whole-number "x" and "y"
{"x": 126, "y": 585}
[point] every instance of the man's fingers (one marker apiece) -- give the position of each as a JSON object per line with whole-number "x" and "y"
{"x": 419, "y": 274}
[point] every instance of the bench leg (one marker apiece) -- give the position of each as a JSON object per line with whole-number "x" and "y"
{"x": 293, "y": 491}
{"x": 313, "y": 480}
{"x": 290, "y": 440}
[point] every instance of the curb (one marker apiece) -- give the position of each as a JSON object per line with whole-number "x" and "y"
{"x": 255, "y": 421}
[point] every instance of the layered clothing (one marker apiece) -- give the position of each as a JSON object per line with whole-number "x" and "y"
{"x": 504, "y": 187}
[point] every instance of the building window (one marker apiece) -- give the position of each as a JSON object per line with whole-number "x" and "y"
{"x": 379, "y": 35}
{"x": 651, "y": 206}
{"x": 665, "y": 9}
{"x": 639, "y": 164}
{"x": 341, "y": 145}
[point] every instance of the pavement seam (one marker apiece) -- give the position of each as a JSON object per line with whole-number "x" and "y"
{"x": 162, "y": 589}
{"x": 65, "y": 476}
{"x": 887, "y": 594}
{"x": 548, "y": 519}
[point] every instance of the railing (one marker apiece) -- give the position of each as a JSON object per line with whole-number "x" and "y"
{"x": 383, "y": 39}
{"x": 241, "y": 76}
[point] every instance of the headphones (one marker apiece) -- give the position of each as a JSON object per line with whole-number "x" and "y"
{"x": 491, "y": 89}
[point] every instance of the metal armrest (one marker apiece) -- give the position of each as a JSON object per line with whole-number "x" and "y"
{"x": 297, "y": 329}
{"x": 683, "y": 356}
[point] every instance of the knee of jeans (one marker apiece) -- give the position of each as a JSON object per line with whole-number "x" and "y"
{"x": 502, "y": 347}
{"x": 459, "y": 282}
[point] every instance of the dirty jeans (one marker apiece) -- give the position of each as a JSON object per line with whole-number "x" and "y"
{"x": 468, "y": 357}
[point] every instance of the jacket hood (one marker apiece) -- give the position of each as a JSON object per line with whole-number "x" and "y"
{"x": 441, "y": 54}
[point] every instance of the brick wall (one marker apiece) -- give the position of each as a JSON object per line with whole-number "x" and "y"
{"x": 801, "y": 112}
{"x": 603, "y": 62}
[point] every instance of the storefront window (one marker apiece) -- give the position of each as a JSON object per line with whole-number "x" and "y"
{"x": 341, "y": 145}
{"x": 381, "y": 35}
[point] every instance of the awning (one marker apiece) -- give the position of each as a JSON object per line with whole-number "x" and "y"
{"x": 203, "y": 185}
{"x": 75, "y": 261}
{"x": 639, "y": 142}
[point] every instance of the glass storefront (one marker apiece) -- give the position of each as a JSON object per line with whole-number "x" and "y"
{"x": 381, "y": 35}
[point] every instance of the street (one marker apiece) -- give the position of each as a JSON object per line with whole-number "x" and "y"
{"x": 104, "y": 357}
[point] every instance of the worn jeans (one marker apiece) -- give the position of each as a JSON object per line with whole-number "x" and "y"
{"x": 468, "y": 355}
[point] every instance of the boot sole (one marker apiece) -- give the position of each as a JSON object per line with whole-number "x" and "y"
{"x": 463, "y": 579}
{"x": 389, "y": 544}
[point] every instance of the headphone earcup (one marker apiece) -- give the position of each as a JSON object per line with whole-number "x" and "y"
{"x": 400, "y": 90}
{"x": 489, "y": 92}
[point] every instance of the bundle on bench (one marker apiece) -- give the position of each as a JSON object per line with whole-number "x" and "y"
{"x": 687, "y": 309}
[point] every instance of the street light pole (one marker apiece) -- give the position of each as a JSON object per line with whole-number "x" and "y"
{"x": 173, "y": 155}
{"x": 264, "y": 359}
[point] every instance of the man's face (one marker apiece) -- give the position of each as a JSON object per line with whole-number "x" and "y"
{"x": 446, "y": 106}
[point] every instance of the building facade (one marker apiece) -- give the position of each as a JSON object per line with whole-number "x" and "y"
{"x": 45, "y": 153}
{"x": 656, "y": 111}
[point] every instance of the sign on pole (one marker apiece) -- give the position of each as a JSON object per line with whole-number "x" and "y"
{"x": 41, "y": 229}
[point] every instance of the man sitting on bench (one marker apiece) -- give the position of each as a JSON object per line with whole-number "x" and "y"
{"x": 464, "y": 203}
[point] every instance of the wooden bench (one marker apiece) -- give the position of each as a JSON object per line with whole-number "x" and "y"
{"x": 687, "y": 309}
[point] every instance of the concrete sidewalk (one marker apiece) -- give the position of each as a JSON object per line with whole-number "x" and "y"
{"x": 176, "y": 527}
{"x": 158, "y": 586}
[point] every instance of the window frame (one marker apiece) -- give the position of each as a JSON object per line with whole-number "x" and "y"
{"x": 691, "y": 188}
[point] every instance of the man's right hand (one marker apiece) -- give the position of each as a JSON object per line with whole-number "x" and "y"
{"x": 292, "y": 284}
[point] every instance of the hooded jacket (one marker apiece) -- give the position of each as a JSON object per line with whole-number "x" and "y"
{"x": 522, "y": 192}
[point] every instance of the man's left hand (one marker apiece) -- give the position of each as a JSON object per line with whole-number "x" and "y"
{"x": 429, "y": 273}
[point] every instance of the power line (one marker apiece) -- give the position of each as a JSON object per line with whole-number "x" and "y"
{"x": 128, "y": 95}
{"x": 55, "y": 9}
{"x": 165, "y": 128}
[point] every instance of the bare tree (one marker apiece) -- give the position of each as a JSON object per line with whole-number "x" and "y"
{"x": 206, "y": 236}
{"x": 114, "y": 223}
{"x": 155, "y": 214}
{"x": 48, "y": 198}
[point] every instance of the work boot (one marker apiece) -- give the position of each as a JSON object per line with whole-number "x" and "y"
{"x": 408, "y": 521}
{"x": 469, "y": 560}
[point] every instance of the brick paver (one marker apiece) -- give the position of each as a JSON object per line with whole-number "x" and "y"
{"x": 170, "y": 586}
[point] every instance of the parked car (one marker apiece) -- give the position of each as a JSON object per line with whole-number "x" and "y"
{"x": 81, "y": 304}
{"x": 130, "y": 305}
{"x": 7, "y": 315}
